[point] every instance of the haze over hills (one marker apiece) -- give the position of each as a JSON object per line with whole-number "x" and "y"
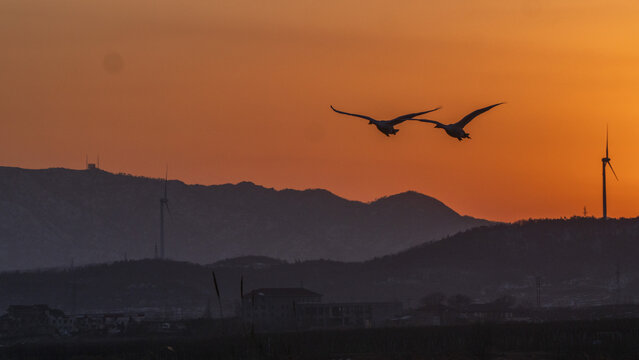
{"x": 51, "y": 217}
{"x": 576, "y": 260}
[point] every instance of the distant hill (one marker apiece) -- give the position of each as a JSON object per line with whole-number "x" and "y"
{"x": 575, "y": 259}
{"x": 52, "y": 217}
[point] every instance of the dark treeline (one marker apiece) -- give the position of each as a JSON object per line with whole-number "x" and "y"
{"x": 576, "y": 260}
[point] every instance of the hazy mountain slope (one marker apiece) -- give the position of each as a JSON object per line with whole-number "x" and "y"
{"x": 576, "y": 260}
{"x": 51, "y": 217}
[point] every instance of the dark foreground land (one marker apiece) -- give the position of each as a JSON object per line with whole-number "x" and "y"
{"x": 611, "y": 339}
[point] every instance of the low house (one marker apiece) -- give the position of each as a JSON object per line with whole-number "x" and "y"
{"x": 36, "y": 320}
{"x": 346, "y": 315}
{"x": 287, "y": 309}
{"x": 272, "y": 309}
{"x": 428, "y": 315}
{"x": 108, "y": 323}
{"x": 489, "y": 312}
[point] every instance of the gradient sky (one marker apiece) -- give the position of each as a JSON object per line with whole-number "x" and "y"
{"x": 226, "y": 91}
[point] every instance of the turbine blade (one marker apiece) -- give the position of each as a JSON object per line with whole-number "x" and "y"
{"x": 607, "y": 141}
{"x": 613, "y": 171}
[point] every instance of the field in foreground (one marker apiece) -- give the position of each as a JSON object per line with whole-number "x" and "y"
{"x": 617, "y": 339}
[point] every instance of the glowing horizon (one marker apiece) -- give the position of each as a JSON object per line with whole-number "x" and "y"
{"x": 240, "y": 91}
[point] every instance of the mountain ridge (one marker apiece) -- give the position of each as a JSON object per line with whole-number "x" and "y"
{"x": 56, "y": 216}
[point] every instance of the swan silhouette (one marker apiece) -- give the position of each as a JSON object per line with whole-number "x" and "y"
{"x": 387, "y": 127}
{"x": 456, "y": 130}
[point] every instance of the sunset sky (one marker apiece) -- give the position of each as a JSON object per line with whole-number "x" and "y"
{"x": 228, "y": 91}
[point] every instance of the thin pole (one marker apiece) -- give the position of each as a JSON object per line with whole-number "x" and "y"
{"x": 538, "y": 292}
{"x": 605, "y": 205}
{"x": 618, "y": 290}
{"x": 161, "y": 229}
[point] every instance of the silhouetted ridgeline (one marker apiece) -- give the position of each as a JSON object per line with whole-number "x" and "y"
{"x": 576, "y": 260}
{"x": 49, "y": 217}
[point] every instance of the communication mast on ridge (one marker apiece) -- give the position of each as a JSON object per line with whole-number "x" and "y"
{"x": 164, "y": 203}
{"x": 91, "y": 166}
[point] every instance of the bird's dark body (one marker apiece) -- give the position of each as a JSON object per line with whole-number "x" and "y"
{"x": 456, "y": 130}
{"x": 457, "y": 133}
{"x": 386, "y": 127}
{"x": 386, "y": 130}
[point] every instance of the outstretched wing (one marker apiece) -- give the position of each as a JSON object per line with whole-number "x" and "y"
{"x": 361, "y": 116}
{"x": 401, "y": 119}
{"x": 463, "y": 122}
{"x": 428, "y": 121}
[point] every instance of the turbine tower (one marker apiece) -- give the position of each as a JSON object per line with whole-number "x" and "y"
{"x": 606, "y": 161}
{"x": 164, "y": 202}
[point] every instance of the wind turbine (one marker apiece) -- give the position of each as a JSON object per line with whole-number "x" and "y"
{"x": 606, "y": 161}
{"x": 164, "y": 202}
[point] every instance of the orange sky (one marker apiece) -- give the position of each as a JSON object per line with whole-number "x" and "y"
{"x": 226, "y": 91}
